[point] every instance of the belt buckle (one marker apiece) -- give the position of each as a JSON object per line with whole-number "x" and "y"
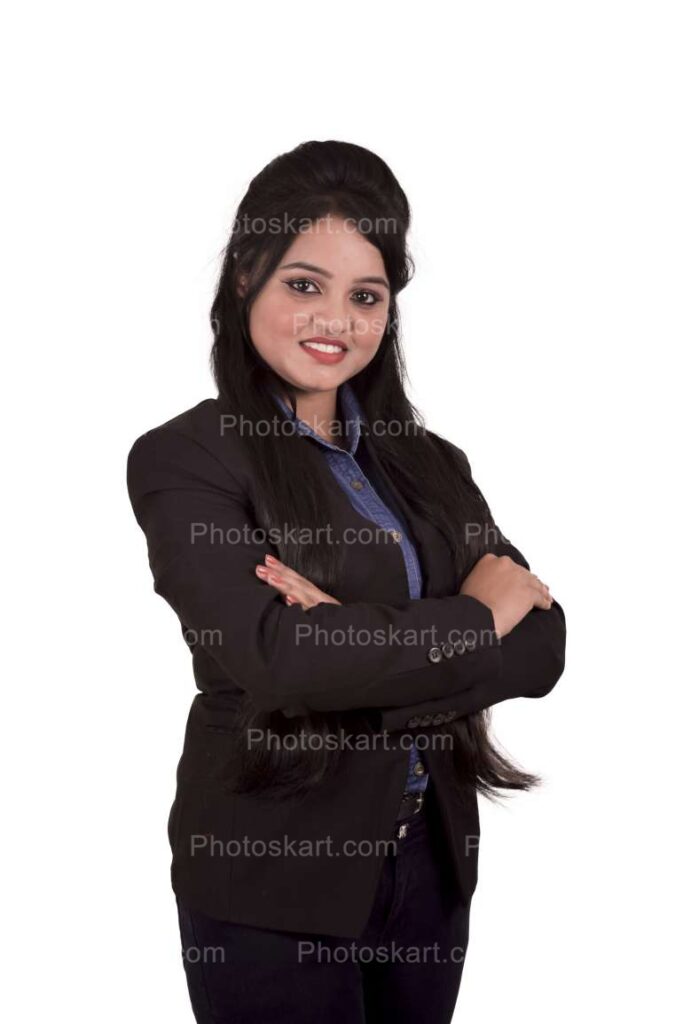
{"x": 418, "y": 799}
{"x": 404, "y": 824}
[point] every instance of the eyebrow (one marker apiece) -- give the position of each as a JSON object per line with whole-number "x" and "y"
{"x": 325, "y": 273}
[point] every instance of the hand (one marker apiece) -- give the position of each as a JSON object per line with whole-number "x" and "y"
{"x": 508, "y": 589}
{"x": 294, "y": 588}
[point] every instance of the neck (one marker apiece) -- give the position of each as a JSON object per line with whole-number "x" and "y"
{"x": 319, "y": 410}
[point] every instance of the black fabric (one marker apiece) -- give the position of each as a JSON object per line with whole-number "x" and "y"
{"x": 405, "y": 968}
{"x": 243, "y": 637}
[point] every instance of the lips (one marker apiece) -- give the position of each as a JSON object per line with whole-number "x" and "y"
{"x": 323, "y": 350}
{"x": 323, "y": 345}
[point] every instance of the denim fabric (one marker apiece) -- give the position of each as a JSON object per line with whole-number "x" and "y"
{"x": 346, "y": 467}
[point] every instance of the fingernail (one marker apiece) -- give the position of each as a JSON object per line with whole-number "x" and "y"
{"x": 260, "y": 571}
{"x": 270, "y": 558}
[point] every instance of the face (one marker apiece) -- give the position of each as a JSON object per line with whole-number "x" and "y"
{"x": 321, "y": 316}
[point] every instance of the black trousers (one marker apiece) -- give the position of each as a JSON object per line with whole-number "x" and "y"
{"x": 404, "y": 969}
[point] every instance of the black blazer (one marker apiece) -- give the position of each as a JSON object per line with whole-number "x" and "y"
{"x": 192, "y": 470}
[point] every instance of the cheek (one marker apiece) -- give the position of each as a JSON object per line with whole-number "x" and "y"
{"x": 370, "y": 331}
{"x": 272, "y": 323}
{"x": 284, "y": 320}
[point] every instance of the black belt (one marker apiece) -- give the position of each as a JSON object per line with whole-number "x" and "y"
{"x": 411, "y": 803}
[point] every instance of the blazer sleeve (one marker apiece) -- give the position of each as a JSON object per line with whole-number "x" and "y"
{"x": 532, "y": 659}
{"x": 203, "y": 546}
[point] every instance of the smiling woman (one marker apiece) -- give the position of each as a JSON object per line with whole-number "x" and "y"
{"x": 305, "y": 650}
{"x": 347, "y": 310}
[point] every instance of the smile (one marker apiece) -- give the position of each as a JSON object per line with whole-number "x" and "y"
{"x": 327, "y": 352}
{"x": 320, "y": 346}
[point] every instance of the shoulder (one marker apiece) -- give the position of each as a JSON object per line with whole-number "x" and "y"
{"x": 450, "y": 452}
{"x": 201, "y": 444}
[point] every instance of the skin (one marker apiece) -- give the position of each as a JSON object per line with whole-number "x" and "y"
{"x": 349, "y": 302}
{"x": 347, "y": 299}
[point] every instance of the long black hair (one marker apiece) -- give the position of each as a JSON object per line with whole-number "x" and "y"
{"x": 294, "y": 191}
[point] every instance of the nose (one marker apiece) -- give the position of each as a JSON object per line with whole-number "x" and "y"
{"x": 333, "y": 318}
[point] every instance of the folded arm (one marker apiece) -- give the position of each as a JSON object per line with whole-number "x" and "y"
{"x": 532, "y": 659}
{"x": 203, "y": 546}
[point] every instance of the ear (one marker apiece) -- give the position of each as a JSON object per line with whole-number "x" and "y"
{"x": 241, "y": 285}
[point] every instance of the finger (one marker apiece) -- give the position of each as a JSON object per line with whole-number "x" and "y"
{"x": 273, "y": 579}
{"x": 274, "y": 563}
{"x": 287, "y": 574}
{"x": 293, "y": 601}
{"x": 291, "y": 594}
{"x": 297, "y": 591}
{"x": 538, "y": 583}
{"x": 541, "y": 593}
{"x": 282, "y": 573}
{"x": 304, "y": 591}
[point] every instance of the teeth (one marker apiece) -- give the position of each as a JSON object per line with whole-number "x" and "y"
{"x": 320, "y": 347}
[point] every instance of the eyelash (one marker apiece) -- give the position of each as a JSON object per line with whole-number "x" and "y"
{"x": 307, "y": 280}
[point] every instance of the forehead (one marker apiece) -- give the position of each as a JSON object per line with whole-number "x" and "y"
{"x": 336, "y": 247}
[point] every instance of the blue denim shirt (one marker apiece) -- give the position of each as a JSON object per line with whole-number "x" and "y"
{"x": 358, "y": 487}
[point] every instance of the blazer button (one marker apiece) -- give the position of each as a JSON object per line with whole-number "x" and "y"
{"x": 413, "y": 722}
{"x": 434, "y": 654}
{"x": 426, "y": 720}
{"x": 470, "y": 644}
{"x": 357, "y": 485}
{"x": 459, "y": 647}
{"x": 447, "y": 649}
{"x": 450, "y": 715}
{"x": 439, "y": 719}
{"x": 419, "y": 768}
{"x": 398, "y": 537}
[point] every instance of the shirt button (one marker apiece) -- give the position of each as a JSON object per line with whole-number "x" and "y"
{"x": 357, "y": 485}
{"x": 398, "y": 537}
{"x": 419, "y": 768}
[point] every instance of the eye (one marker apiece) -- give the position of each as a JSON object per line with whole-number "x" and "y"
{"x": 300, "y": 286}
{"x": 300, "y": 280}
{"x": 373, "y": 295}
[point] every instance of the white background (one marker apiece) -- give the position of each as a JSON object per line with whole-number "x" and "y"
{"x": 540, "y": 147}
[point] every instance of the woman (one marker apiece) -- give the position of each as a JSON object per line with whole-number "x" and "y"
{"x": 352, "y": 611}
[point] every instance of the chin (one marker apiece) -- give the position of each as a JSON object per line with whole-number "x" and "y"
{"x": 322, "y": 378}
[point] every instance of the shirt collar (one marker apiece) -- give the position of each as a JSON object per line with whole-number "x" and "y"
{"x": 352, "y": 414}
